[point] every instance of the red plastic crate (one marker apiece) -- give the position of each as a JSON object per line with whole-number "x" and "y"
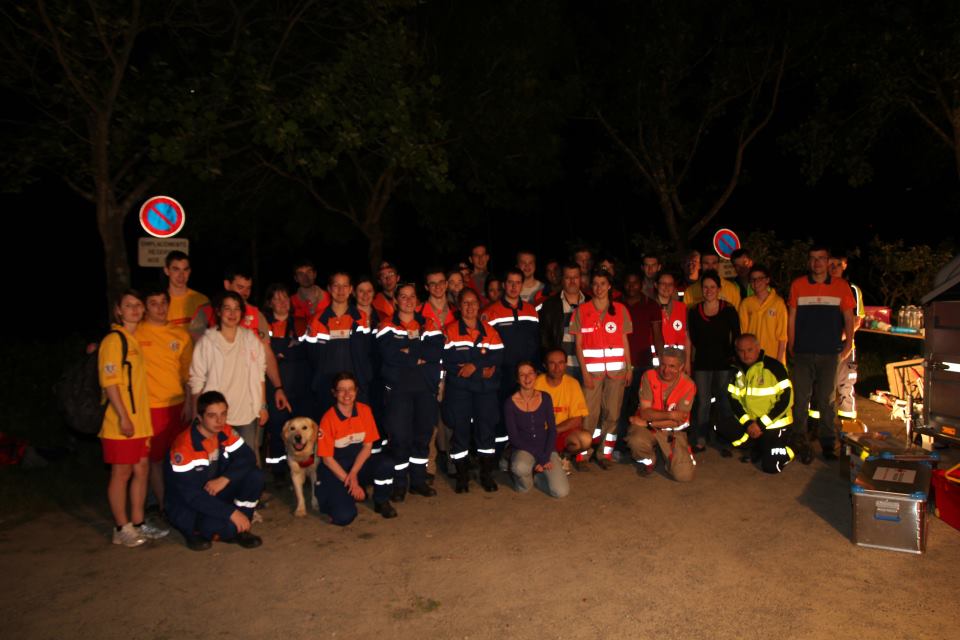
{"x": 946, "y": 495}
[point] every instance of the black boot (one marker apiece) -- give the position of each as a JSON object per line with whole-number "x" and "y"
{"x": 800, "y": 443}
{"x": 463, "y": 475}
{"x": 487, "y": 464}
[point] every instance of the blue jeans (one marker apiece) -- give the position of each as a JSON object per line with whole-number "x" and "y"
{"x": 711, "y": 391}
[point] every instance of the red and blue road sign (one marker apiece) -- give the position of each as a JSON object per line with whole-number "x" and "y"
{"x": 162, "y": 217}
{"x": 725, "y": 242}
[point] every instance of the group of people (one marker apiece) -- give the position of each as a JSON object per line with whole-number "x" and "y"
{"x": 535, "y": 377}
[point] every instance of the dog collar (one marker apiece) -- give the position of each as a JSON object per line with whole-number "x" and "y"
{"x": 306, "y": 463}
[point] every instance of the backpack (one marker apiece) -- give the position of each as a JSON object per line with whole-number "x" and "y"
{"x": 79, "y": 395}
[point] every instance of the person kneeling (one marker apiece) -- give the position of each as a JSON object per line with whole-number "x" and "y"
{"x": 344, "y": 444}
{"x": 666, "y": 396}
{"x": 532, "y": 428}
{"x": 761, "y": 398}
{"x": 212, "y": 480}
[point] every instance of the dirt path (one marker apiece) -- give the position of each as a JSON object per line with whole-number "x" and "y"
{"x": 735, "y": 554}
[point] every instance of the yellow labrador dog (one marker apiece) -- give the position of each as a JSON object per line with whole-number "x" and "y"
{"x": 300, "y": 440}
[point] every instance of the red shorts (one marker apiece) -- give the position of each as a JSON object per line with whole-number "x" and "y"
{"x": 167, "y": 425}
{"x": 125, "y": 450}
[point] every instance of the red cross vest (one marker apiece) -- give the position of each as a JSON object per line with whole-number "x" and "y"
{"x": 602, "y": 339}
{"x": 674, "y": 328}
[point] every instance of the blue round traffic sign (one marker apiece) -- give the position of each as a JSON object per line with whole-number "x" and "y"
{"x": 725, "y": 242}
{"x": 162, "y": 217}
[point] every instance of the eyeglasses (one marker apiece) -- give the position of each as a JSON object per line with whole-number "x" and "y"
{"x": 760, "y": 279}
{"x": 436, "y": 283}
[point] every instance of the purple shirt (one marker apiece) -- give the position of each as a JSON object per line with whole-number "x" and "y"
{"x": 532, "y": 431}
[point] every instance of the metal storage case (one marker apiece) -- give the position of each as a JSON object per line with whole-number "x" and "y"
{"x": 890, "y": 505}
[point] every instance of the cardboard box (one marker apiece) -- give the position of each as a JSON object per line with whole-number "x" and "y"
{"x": 890, "y": 505}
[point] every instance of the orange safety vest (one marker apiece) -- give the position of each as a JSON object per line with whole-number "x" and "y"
{"x": 684, "y": 387}
{"x": 602, "y": 338}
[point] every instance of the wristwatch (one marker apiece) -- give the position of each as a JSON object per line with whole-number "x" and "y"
{"x": 649, "y": 424}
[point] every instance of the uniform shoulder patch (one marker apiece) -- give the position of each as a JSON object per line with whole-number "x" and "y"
{"x": 109, "y": 368}
{"x": 178, "y": 458}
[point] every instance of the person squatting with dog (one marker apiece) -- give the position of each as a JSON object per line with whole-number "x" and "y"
{"x": 345, "y": 440}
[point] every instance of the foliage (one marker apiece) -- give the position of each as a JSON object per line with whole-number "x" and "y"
{"x": 902, "y": 274}
{"x": 692, "y": 88}
{"x": 786, "y": 259}
{"x": 509, "y": 88}
{"x": 353, "y": 123}
{"x": 109, "y": 94}
{"x": 884, "y": 68}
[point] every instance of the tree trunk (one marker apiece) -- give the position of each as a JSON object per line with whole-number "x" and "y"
{"x": 375, "y": 251}
{"x": 670, "y": 218}
{"x": 110, "y": 224}
{"x": 110, "y": 216}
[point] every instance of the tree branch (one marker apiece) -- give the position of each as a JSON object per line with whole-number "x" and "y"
{"x": 742, "y": 145}
{"x": 89, "y": 196}
{"x": 58, "y": 50}
{"x": 638, "y": 165}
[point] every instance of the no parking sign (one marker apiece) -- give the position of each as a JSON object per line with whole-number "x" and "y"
{"x": 162, "y": 217}
{"x": 725, "y": 242}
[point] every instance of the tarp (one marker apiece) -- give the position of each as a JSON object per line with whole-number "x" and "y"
{"x": 947, "y": 278}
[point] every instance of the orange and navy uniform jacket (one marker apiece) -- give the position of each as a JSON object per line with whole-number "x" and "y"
{"x": 302, "y": 309}
{"x": 423, "y": 340}
{"x": 291, "y": 353}
{"x": 519, "y": 329}
{"x": 340, "y": 432}
{"x": 427, "y": 311}
{"x": 336, "y": 344}
{"x": 193, "y": 461}
{"x": 481, "y": 347}
{"x": 820, "y": 306}
{"x": 385, "y": 306}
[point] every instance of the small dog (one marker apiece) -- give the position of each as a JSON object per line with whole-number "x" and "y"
{"x": 300, "y": 439}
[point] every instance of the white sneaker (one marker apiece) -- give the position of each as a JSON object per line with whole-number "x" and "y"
{"x": 566, "y": 466}
{"x": 152, "y": 531}
{"x": 128, "y": 536}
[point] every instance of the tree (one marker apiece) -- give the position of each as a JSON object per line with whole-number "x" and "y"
{"x": 884, "y": 66}
{"x": 903, "y": 274}
{"x": 108, "y": 101}
{"x": 682, "y": 90}
{"x": 354, "y": 123}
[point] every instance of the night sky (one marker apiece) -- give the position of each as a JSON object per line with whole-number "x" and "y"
{"x": 914, "y": 195}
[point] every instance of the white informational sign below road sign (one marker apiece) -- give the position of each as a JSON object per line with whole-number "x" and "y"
{"x": 151, "y": 252}
{"x": 726, "y": 270}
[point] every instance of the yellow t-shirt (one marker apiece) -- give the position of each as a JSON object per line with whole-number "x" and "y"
{"x": 167, "y": 350}
{"x": 766, "y": 320}
{"x": 113, "y": 372}
{"x": 568, "y": 400}
{"x": 183, "y": 308}
{"x": 729, "y": 292}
